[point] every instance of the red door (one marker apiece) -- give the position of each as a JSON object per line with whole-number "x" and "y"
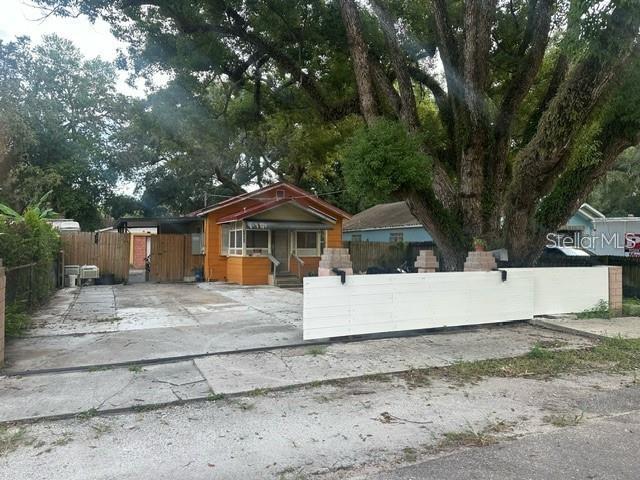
{"x": 139, "y": 251}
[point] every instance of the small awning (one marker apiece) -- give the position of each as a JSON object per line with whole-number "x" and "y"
{"x": 272, "y": 225}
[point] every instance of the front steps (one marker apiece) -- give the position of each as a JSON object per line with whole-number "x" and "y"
{"x": 288, "y": 280}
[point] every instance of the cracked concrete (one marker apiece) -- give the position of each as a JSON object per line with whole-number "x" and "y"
{"x": 243, "y": 372}
{"x": 360, "y": 429}
{"x": 625, "y": 327}
{"x": 103, "y": 325}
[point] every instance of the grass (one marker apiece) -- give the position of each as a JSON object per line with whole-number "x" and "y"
{"x": 213, "y": 396}
{"x": 16, "y": 321}
{"x": 610, "y": 355}
{"x": 631, "y": 307}
{"x": 599, "y": 310}
{"x": 87, "y": 414}
{"x": 465, "y": 438}
{"x": 11, "y": 438}
{"x": 136, "y": 369}
{"x": 416, "y": 377}
{"x": 316, "y": 350}
{"x": 563, "y": 420}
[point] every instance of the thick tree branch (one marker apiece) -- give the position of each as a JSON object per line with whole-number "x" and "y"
{"x": 359, "y": 58}
{"x": 408, "y": 111}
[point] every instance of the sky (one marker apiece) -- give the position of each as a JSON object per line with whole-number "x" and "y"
{"x": 20, "y": 17}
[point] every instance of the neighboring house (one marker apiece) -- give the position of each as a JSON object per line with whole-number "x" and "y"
{"x": 64, "y": 224}
{"x": 387, "y": 222}
{"x": 580, "y": 225}
{"x": 245, "y": 236}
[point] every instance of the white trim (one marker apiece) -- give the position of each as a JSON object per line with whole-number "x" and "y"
{"x": 383, "y": 228}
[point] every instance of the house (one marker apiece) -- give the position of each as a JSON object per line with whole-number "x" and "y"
{"x": 387, "y": 222}
{"x": 277, "y": 231}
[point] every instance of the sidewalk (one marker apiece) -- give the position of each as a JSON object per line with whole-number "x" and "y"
{"x": 625, "y": 327}
{"x": 139, "y": 387}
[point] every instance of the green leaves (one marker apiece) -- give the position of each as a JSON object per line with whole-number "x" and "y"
{"x": 383, "y": 160}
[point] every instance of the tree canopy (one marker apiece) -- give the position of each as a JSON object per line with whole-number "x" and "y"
{"x": 512, "y": 110}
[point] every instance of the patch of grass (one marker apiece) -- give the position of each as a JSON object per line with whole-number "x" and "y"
{"x": 258, "y": 392}
{"x": 316, "y": 350}
{"x": 599, "y": 310}
{"x": 11, "y": 438}
{"x": 563, "y": 420}
{"x": 16, "y": 320}
{"x": 465, "y": 438}
{"x": 98, "y": 369}
{"x": 213, "y": 396}
{"x": 87, "y": 414}
{"x": 631, "y": 307}
{"x": 409, "y": 454}
{"x": 136, "y": 368}
{"x": 611, "y": 355}
{"x": 65, "y": 439}
{"x": 416, "y": 377}
{"x": 101, "y": 429}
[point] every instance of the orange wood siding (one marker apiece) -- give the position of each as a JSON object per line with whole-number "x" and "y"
{"x": 248, "y": 270}
{"x": 311, "y": 265}
{"x": 334, "y": 236}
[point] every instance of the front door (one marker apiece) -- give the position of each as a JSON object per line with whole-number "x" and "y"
{"x": 280, "y": 248}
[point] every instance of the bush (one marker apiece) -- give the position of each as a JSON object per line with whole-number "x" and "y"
{"x": 26, "y": 239}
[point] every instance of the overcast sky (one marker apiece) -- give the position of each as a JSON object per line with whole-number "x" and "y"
{"x": 20, "y": 17}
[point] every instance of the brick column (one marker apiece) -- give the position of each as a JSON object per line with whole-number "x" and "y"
{"x": 3, "y": 282}
{"x": 335, "y": 258}
{"x": 426, "y": 262}
{"x": 615, "y": 290}
{"x": 480, "y": 262}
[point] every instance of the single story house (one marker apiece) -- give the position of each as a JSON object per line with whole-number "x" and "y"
{"x": 279, "y": 230}
{"x": 387, "y": 222}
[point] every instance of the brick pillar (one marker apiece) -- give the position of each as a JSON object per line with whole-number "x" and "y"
{"x": 426, "y": 262}
{"x": 3, "y": 282}
{"x": 335, "y": 258}
{"x": 480, "y": 262}
{"x": 615, "y": 289}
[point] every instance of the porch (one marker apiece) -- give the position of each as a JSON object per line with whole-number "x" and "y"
{"x": 272, "y": 252}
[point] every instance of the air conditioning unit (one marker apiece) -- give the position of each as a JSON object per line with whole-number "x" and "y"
{"x": 89, "y": 272}
{"x": 72, "y": 270}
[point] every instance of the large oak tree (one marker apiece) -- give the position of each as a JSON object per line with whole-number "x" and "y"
{"x": 507, "y": 112}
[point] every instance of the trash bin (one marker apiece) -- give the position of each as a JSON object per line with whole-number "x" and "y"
{"x": 72, "y": 280}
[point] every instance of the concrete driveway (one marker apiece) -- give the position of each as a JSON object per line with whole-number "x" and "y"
{"x": 106, "y": 325}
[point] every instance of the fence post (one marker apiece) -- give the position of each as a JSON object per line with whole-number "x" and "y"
{"x": 3, "y": 282}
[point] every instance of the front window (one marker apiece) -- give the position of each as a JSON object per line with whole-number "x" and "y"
{"x": 307, "y": 244}
{"x": 257, "y": 242}
{"x": 235, "y": 239}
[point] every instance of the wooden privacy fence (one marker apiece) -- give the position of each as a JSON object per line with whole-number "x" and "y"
{"x": 109, "y": 251}
{"x": 172, "y": 258}
{"x": 383, "y": 254}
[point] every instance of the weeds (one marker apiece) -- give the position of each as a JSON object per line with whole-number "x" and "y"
{"x": 213, "y": 396}
{"x": 416, "y": 377}
{"x": 316, "y": 350}
{"x": 600, "y": 310}
{"x": 564, "y": 420}
{"x": 16, "y": 320}
{"x": 465, "y": 438}
{"x": 136, "y": 369}
{"x": 87, "y": 414}
{"x": 11, "y": 438}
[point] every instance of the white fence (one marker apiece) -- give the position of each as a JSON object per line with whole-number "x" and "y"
{"x": 388, "y": 303}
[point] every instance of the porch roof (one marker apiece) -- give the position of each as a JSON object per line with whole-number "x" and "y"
{"x": 266, "y": 206}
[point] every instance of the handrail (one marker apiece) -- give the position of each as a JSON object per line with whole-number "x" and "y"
{"x": 275, "y": 263}
{"x": 301, "y": 263}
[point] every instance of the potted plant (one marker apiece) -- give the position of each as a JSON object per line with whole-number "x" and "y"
{"x": 479, "y": 245}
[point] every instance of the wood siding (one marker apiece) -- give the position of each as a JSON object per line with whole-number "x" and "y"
{"x": 248, "y": 270}
{"x": 171, "y": 258}
{"x": 109, "y": 251}
{"x": 311, "y": 265}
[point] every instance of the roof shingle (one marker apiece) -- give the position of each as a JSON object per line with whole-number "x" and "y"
{"x": 385, "y": 215}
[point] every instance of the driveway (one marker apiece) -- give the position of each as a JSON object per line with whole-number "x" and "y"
{"x": 105, "y": 325}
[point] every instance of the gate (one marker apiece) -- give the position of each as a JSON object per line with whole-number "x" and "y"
{"x": 108, "y": 250}
{"x": 172, "y": 259}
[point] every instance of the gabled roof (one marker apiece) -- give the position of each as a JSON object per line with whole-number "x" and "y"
{"x": 385, "y": 215}
{"x": 270, "y": 205}
{"x": 294, "y": 193}
{"x": 589, "y": 212}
